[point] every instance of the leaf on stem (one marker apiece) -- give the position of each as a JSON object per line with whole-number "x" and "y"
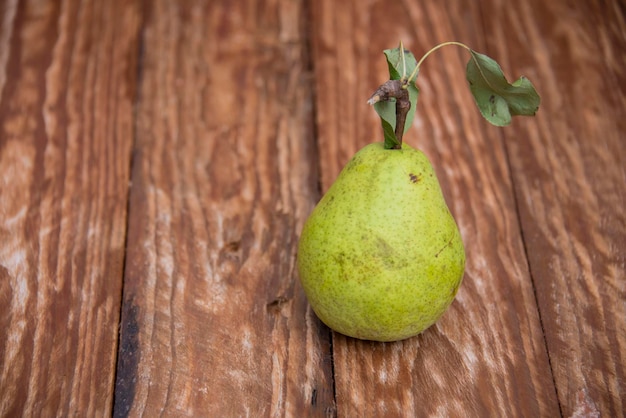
{"x": 498, "y": 100}
{"x": 401, "y": 63}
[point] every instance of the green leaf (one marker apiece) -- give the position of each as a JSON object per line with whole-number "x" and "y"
{"x": 387, "y": 112}
{"x": 498, "y": 100}
{"x": 398, "y": 68}
{"x": 388, "y": 127}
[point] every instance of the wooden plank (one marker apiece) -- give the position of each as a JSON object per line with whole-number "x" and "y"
{"x": 214, "y": 322}
{"x": 487, "y": 355}
{"x": 569, "y": 173}
{"x": 67, "y": 82}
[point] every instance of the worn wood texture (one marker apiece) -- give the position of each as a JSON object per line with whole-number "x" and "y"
{"x": 569, "y": 173}
{"x": 67, "y": 86}
{"x": 201, "y": 133}
{"x": 487, "y": 355}
{"x": 215, "y": 323}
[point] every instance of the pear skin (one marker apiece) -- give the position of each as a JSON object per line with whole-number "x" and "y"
{"x": 381, "y": 257}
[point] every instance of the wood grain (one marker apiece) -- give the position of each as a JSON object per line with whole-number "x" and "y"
{"x": 569, "y": 173}
{"x": 487, "y": 356}
{"x": 215, "y": 323}
{"x": 67, "y": 83}
{"x": 159, "y": 158}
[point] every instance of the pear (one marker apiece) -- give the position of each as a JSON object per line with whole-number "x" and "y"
{"x": 381, "y": 257}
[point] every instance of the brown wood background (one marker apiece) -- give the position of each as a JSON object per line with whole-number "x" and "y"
{"x": 158, "y": 160}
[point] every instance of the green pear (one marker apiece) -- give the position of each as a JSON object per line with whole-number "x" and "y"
{"x": 381, "y": 257}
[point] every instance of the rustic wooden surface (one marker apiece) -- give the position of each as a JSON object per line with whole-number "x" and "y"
{"x": 67, "y": 90}
{"x": 158, "y": 160}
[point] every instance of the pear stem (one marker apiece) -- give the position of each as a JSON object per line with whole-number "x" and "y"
{"x": 395, "y": 89}
{"x": 398, "y": 89}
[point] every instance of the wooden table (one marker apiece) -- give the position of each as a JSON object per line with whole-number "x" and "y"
{"x": 158, "y": 160}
